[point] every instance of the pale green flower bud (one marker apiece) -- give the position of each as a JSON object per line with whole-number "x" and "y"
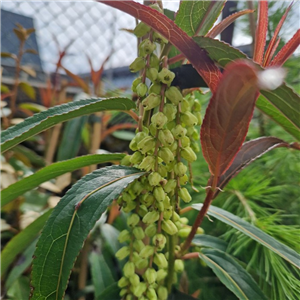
{"x": 159, "y": 193}
{"x": 167, "y": 214}
{"x": 158, "y": 38}
{"x": 147, "y": 163}
{"x": 183, "y": 180}
{"x": 154, "y": 178}
{"x": 133, "y": 220}
{"x": 197, "y": 114}
{"x": 166, "y": 76}
{"x": 138, "y": 245}
{"x": 141, "y": 29}
{"x": 188, "y": 119}
{"x": 171, "y": 125}
{"x": 151, "y": 101}
{"x": 178, "y": 266}
{"x": 148, "y": 143}
{"x": 162, "y": 293}
{"x": 161, "y": 274}
{"x": 136, "y": 157}
{"x": 135, "y": 257}
{"x": 141, "y": 89}
{"x": 138, "y": 64}
{"x": 174, "y": 146}
{"x": 184, "y": 232}
{"x": 141, "y": 135}
{"x": 152, "y": 129}
{"x": 129, "y": 206}
{"x": 175, "y": 217}
{"x": 123, "y": 252}
{"x": 185, "y": 142}
{"x": 147, "y": 251}
{"x": 166, "y": 154}
{"x": 133, "y": 145}
{"x": 151, "y": 294}
{"x": 123, "y": 282}
{"x": 166, "y": 137}
{"x": 196, "y": 106}
{"x": 162, "y": 170}
{"x": 151, "y": 230}
{"x": 137, "y": 187}
{"x": 135, "y": 83}
{"x": 127, "y": 197}
{"x": 170, "y": 111}
{"x": 170, "y": 186}
{"x": 129, "y": 297}
{"x": 160, "y": 260}
{"x": 138, "y": 233}
{"x": 155, "y": 88}
{"x": 180, "y": 169}
{"x": 134, "y": 279}
{"x": 141, "y": 264}
{"x": 159, "y": 241}
{"x": 148, "y": 199}
{"x": 151, "y": 217}
{"x": 184, "y": 220}
{"x": 152, "y": 74}
{"x": 126, "y": 160}
{"x": 159, "y": 120}
{"x": 154, "y": 61}
{"x": 150, "y": 275}
{"x": 128, "y": 269}
{"x": 160, "y": 206}
{"x": 142, "y": 210}
{"x": 185, "y": 195}
{"x": 124, "y": 236}
{"x": 169, "y": 227}
{"x": 195, "y": 146}
{"x": 179, "y": 132}
{"x": 188, "y": 154}
{"x": 174, "y": 95}
{"x": 123, "y": 292}
{"x": 185, "y": 106}
{"x": 200, "y": 230}
{"x": 167, "y": 203}
{"x": 139, "y": 289}
{"x": 178, "y": 225}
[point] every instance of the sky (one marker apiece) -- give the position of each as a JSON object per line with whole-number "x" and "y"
{"x": 94, "y": 29}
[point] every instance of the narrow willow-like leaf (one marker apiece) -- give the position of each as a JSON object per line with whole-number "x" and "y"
{"x": 228, "y": 116}
{"x": 232, "y": 275}
{"x": 197, "y": 17}
{"x": 70, "y": 223}
{"x": 249, "y": 152}
{"x": 203, "y": 240}
{"x": 53, "y": 171}
{"x": 57, "y": 114}
{"x": 166, "y": 27}
{"x": 253, "y": 232}
{"x": 101, "y": 274}
{"x": 281, "y": 105}
{"x": 21, "y": 241}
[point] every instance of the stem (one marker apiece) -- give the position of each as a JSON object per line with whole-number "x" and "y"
{"x": 198, "y": 221}
{"x": 171, "y": 262}
{"x": 190, "y": 255}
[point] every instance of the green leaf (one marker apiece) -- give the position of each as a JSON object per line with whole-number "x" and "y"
{"x": 111, "y": 293}
{"x": 177, "y": 295}
{"x": 124, "y": 135}
{"x": 203, "y": 240}
{"x": 232, "y": 275}
{"x": 20, "y": 242}
{"x": 27, "y": 89}
{"x": 101, "y": 274}
{"x": 110, "y": 235}
{"x": 70, "y": 223}
{"x": 57, "y": 114}
{"x": 36, "y": 108}
{"x": 193, "y": 14}
{"x": 20, "y": 289}
{"x": 71, "y": 139}
{"x": 281, "y": 105}
{"x": 255, "y": 233}
{"x": 34, "y": 158}
{"x": 52, "y": 171}
{"x": 22, "y": 264}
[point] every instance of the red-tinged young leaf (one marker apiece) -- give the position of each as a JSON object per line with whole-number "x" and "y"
{"x": 261, "y": 32}
{"x": 273, "y": 44}
{"x": 166, "y": 27}
{"x": 287, "y": 50}
{"x": 226, "y": 22}
{"x": 228, "y": 115}
{"x": 78, "y": 80}
{"x": 249, "y": 152}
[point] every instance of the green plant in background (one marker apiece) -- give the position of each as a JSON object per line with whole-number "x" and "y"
{"x": 152, "y": 241}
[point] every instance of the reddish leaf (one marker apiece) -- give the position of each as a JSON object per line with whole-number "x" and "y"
{"x": 261, "y": 32}
{"x": 249, "y": 152}
{"x": 226, "y": 22}
{"x": 78, "y": 80}
{"x": 166, "y": 27}
{"x": 287, "y": 50}
{"x": 273, "y": 44}
{"x": 228, "y": 116}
